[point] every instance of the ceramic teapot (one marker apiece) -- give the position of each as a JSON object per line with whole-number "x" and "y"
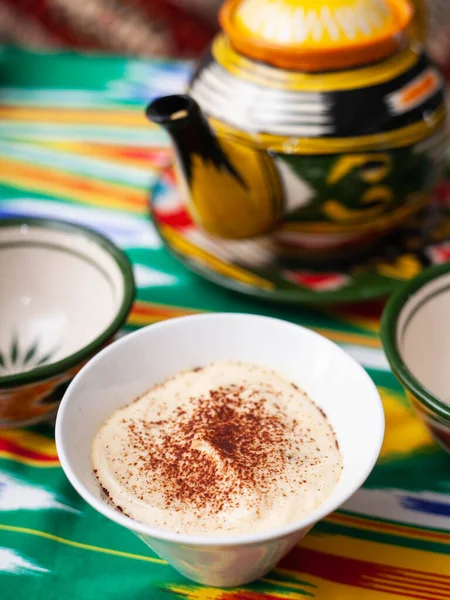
{"x": 321, "y": 122}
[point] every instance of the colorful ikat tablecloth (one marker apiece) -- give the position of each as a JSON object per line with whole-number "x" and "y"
{"x": 74, "y": 144}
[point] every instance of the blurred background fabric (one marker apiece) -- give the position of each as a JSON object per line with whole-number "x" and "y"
{"x": 170, "y": 28}
{"x": 439, "y": 32}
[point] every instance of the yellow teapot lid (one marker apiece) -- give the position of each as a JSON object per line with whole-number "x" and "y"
{"x": 316, "y": 35}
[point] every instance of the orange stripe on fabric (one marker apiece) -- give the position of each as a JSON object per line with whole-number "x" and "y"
{"x": 361, "y": 522}
{"x": 95, "y": 192}
{"x": 146, "y": 313}
{"x": 131, "y": 156}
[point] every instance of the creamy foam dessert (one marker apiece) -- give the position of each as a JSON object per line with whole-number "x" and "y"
{"x": 229, "y": 448}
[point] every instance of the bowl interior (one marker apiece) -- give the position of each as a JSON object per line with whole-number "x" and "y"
{"x": 423, "y": 336}
{"x": 60, "y": 290}
{"x": 130, "y": 366}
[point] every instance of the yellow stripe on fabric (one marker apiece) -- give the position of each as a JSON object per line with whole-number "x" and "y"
{"x": 337, "y": 591}
{"x": 60, "y": 540}
{"x": 194, "y": 592}
{"x": 405, "y": 433}
{"x": 126, "y": 118}
{"x": 168, "y": 311}
{"x": 30, "y": 462}
{"x": 30, "y": 440}
{"x": 407, "y": 592}
{"x": 138, "y": 320}
{"x": 363, "y": 523}
{"x": 342, "y": 337}
{"x": 295, "y": 586}
{"x": 108, "y": 152}
{"x": 20, "y": 444}
{"x": 66, "y": 185}
{"x": 431, "y": 563}
{"x": 378, "y": 571}
{"x": 146, "y": 313}
{"x": 369, "y": 324}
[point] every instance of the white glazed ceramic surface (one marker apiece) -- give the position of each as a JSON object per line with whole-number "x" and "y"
{"x": 423, "y": 336}
{"x": 65, "y": 291}
{"x": 60, "y": 290}
{"x": 130, "y": 366}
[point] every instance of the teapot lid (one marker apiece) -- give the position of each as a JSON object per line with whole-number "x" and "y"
{"x": 316, "y": 35}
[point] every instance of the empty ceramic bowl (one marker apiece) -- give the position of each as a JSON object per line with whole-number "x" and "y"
{"x": 65, "y": 291}
{"x": 416, "y": 338}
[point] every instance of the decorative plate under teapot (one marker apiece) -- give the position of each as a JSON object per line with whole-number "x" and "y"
{"x": 321, "y": 123}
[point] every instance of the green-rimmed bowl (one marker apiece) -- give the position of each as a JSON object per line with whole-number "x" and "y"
{"x": 65, "y": 291}
{"x": 415, "y": 331}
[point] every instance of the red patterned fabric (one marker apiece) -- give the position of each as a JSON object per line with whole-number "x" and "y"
{"x": 135, "y": 27}
{"x": 439, "y": 33}
{"x": 173, "y": 28}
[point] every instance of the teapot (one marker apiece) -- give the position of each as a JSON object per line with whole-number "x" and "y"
{"x": 317, "y": 124}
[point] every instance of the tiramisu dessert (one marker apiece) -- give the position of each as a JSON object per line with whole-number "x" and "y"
{"x": 226, "y": 449}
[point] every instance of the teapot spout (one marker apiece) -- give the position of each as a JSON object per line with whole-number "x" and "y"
{"x": 217, "y": 195}
{"x": 182, "y": 118}
{"x": 168, "y": 110}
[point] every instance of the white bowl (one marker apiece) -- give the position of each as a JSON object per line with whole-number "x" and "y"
{"x": 415, "y": 331}
{"x": 138, "y": 361}
{"x": 65, "y": 292}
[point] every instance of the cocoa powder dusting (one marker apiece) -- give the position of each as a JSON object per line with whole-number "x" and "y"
{"x": 219, "y": 449}
{"x": 230, "y": 447}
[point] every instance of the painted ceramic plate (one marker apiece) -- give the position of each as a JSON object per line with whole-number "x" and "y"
{"x": 248, "y": 266}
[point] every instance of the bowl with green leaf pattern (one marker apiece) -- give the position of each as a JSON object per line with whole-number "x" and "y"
{"x": 65, "y": 292}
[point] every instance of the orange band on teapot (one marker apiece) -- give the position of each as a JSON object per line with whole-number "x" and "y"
{"x": 314, "y": 35}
